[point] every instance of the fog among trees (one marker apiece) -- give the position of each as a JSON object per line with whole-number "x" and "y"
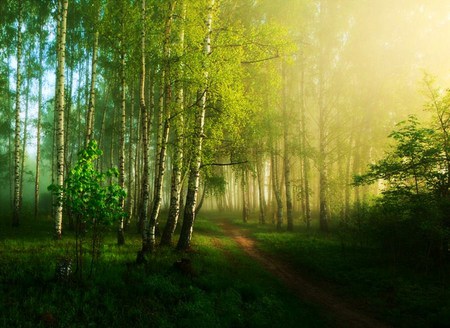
{"x": 324, "y": 115}
{"x": 255, "y": 106}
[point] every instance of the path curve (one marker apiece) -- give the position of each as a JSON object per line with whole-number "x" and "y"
{"x": 346, "y": 315}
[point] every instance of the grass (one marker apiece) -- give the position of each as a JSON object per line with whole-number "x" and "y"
{"x": 225, "y": 289}
{"x": 399, "y": 294}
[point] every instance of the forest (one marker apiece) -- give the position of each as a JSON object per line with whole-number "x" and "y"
{"x": 225, "y": 163}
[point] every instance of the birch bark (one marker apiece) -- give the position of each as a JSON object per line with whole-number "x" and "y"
{"x": 17, "y": 154}
{"x": 62, "y": 22}
{"x": 184, "y": 242}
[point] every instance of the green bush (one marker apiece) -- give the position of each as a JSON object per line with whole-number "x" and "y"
{"x": 94, "y": 203}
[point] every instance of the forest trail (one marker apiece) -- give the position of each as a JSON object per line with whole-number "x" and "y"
{"x": 344, "y": 313}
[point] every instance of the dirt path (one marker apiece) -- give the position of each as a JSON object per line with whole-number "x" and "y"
{"x": 345, "y": 314}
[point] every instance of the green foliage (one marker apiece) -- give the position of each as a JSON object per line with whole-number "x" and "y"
{"x": 399, "y": 295}
{"x": 410, "y": 219}
{"x": 86, "y": 195}
{"x": 227, "y": 291}
{"x": 216, "y": 184}
{"x": 414, "y": 165}
{"x": 94, "y": 203}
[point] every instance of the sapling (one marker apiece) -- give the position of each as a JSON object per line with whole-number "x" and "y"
{"x": 93, "y": 199}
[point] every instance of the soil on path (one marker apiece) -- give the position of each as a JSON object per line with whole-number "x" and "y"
{"x": 345, "y": 314}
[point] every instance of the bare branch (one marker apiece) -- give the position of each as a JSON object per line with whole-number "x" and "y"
{"x": 223, "y": 164}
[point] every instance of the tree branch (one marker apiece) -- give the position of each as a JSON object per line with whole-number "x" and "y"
{"x": 260, "y": 60}
{"x": 223, "y": 164}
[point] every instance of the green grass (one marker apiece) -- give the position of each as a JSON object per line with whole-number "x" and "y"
{"x": 227, "y": 289}
{"x": 399, "y": 294}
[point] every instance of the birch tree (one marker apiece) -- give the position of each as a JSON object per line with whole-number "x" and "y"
{"x": 39, "y": 124}
{"x": 91, "y": 105}
{"x": 276, "y": 185}
{"x": 144, "y": 137}
{"x": 120, "y": 233}
{"x": 287, "y": 152}
{"x": 304, "y": 147}
{"x": 163, "y": 134}
{"x": 17, "y": 153}
{"x": 60, "y": 111}
{"x": 184, "y": 241}
{"x": 178, "y": 151}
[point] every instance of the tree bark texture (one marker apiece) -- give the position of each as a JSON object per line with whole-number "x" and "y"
{"x": 38, "y": 128}
{"x": 144, "y": 135}
{"x": 17, "y": 154}
{"x": 90, "y": 119}
{"x": 177, "y": 167}
{"x": 286, "y": 159}
{"x": 163, "y": 133}
{"x": 184, "y": 242}
{"x": 305, "y": 159}
{"x": 120, "y": 233}
{"x": 276, "y": 190}
{"x": 262, "y": 198}
{"x": 60, "y": 114}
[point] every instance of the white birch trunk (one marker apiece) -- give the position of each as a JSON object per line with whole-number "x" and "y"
{"x": 145, "y": 144}
{"x": 163, "y": 134}
{"x": 38, "y": 129}
{"x": 184, "y": 241}
{"x": 17, "y": 172}
{"x": 175, "y": 190}
{"x": 120, "y": 234}
{"x": 60, "y": 113}
{"x": 90, "y": 119}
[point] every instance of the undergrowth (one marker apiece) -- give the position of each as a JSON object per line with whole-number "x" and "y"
{"x": 402, "y": 295}
{"x": 222, "y": 289}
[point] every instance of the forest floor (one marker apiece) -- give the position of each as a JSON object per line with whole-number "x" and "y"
{"x": 345, "y": 313}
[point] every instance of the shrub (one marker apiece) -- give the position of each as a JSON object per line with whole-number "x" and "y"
{"x": 94, "y": 203}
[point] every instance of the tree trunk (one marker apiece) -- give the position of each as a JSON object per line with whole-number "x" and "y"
{"x": 276, "y": 190}
{"x": 144, "y": 133}
{"x": 62, "y": 22}
{"x": 323, "y": 178}
{"x": 244, "y": 189}
{"x": 323, "y": 121}
{"x": 199, "y": 206}
{"x": 11, "y": 139}
{"x": 305, "y": 160}
{"x": 262, "y": 199}
{"x": 80, "y": 133}
{"x": 120, "y": 232}
{"x": 91, "y": 107}
{"x": 17, "y": 172}
{"x": 138, "y": 168}
{"x": 24, "y": 137}
{"x": 68, "y": 150}
{"x": 286, "y": 160}
{"x": 177, "y": 167}
{"x": 131, "y": 161}
{"x": 38, "y": 127}
{"x": 184, "y": 241}
{"x": 163, "y": 137}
